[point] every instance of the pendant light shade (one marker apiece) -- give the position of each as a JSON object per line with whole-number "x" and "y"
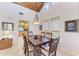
{"x": 36, "y": 21}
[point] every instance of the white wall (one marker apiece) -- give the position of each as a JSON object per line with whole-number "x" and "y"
{"x": 69, "y": 41}
{"x": 9, "y": 12}
{"x": 46, "y": 25}
{"x": 34, "y": 27}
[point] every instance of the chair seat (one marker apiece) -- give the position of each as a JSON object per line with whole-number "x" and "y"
{"x": 30, "y": 49}
{"x": 30, "y": 46}
{"x": 44, "y": 52}
{"x": 47, "y": 53}
{"x": 46, "y": 47}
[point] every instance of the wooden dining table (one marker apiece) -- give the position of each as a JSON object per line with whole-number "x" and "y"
{"x": 37, "y": 43}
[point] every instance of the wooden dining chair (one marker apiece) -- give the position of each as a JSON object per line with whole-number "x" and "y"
{"x": 30, "y": 33}
{"x": 27, "y": 48}
{"x": 43, "y": 34}
{"x": 51, "y": 49}
{"x": 48, "y": 35}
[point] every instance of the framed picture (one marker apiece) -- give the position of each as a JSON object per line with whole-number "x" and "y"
{"x": 40, "y": 27}
{"x": 6, "y": 26}
{"x": 71, "y": 26}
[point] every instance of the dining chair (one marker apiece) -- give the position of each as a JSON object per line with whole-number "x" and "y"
{"x": 48, "y": 35}
{"x": 51, "y": 49}
{"x": 27, "y": 48}
{"x": 43, "y": 34}
{"x": 30, "y": 33}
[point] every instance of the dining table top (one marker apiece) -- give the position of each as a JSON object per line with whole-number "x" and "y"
{"x": 38, "y": 41}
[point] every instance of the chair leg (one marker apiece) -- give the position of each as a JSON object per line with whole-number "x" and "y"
{"x": 43, "y": 54}
{"x": 55, "y": 53}
{"x": 26, "y": 53}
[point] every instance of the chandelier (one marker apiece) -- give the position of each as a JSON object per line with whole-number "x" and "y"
{"x": 36, "y": 21}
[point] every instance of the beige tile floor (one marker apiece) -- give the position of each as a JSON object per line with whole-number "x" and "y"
{"x": 18, "y": 50}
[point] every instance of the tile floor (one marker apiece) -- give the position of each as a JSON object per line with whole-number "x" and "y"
{"x": 13, "y": 51}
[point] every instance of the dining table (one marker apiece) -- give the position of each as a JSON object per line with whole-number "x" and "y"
{"x": 37, "y": 43}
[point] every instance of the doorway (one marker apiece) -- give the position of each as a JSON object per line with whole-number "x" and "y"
{"x": 23, "y": 28}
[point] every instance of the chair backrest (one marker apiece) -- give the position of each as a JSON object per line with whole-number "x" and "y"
{"x": 48, "y": 35}
{"x": 30, "y": 33}
{"x": 26, "y": 49}
{"x": 53, "y": 46}
{"x": 43, "y": 34}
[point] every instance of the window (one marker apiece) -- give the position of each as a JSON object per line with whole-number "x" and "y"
{"x": 46, "y": 25}
{"x": 54, "y": 3}
{"x": 55, "y": 27}
{"x": 46, "y": 6}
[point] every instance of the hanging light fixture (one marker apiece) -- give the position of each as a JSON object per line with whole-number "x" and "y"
{"x": 36, "y": 21}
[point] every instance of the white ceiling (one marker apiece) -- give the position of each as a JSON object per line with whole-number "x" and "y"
{"x": 8, "y": 9}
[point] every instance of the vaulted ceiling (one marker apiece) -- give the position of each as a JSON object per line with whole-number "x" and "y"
{"x": 36, "y": 6}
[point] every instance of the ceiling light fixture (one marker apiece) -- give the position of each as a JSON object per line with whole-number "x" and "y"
{"x": 36, "y": 20}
